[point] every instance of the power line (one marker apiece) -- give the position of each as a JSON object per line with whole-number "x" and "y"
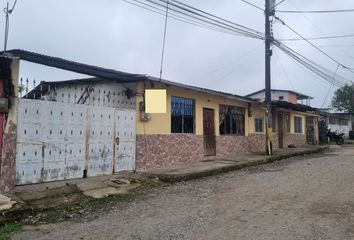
{"x": 318, "y": 11}
{"x": 177, "y": 18}
{"x": 7, "y": 12}
{"x": 330, "y": 87}
{"x": 212, "y": 16}
{"x": 253, "y": 5}
{"x": 280, "y": 2}
{"x": 315, "y": 68}
{"x": 334, "y": 60}
{"x": 189, "y": 18}
{"x": 317, "y": 38}
{"x": 164, "y": 38}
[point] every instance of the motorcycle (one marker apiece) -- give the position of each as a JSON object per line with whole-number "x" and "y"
{"x": 335, "y": 137}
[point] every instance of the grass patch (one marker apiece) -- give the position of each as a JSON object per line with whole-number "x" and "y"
{"x": 7, "y": 230}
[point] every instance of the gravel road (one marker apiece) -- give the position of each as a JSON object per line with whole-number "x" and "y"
{"x": 300, "y": 198}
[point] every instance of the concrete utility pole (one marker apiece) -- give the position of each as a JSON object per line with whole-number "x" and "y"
{"x": 269, "y": 11}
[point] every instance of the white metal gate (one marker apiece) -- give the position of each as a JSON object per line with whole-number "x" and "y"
{"x": 58, "y": 141}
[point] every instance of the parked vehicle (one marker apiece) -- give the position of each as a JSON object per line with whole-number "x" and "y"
{"x": 335, "y": 137}
{"x": 351, "y": 135}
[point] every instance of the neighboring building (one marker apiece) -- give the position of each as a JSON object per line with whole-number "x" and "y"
{"x": 338, "y": 122}
{"x": 282, "y": 95}
{"x": 98, "y": 126}
{"x": 294, "y": 123}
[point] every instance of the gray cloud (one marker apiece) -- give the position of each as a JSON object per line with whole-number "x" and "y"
{"x": 117, "y": 35}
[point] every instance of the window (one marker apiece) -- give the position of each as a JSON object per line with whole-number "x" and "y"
{"x": 182, "y": 115}
{"x": 258, "y": 125}
{"x": 332, "y": 120}
{"x": 232, "y": 120}
{"x": 298, "y": 124}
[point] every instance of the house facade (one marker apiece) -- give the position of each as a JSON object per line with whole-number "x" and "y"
{"x": 98, "y": 126}
{"x": 338, "y": 122}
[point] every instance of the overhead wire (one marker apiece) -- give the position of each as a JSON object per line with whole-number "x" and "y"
{"x": 313, "y": 45}
{"x": 320, "y": 71}
{"x": 330, "y": 87}
{"x": 253, "y": 5}
{"x": 284, "y": 71}
{"x": 317, "y": 38}
{"x": 164, "y": 39}
{"x": 222, "y": 23}
{"x": 177, "y": 17}
{"x": 318, "y": 11}
{"x": 236, "y": 60}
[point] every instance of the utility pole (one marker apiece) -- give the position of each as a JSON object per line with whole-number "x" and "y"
{"x": 269, "y": 11}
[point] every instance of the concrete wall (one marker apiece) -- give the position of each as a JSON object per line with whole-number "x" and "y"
{"x": 105, "y": 94}
{"x": 10, "y": 79}
{"x": 341, "y": 128}
{"x": 161, "y": 123}
{"x": 288, "y": 97}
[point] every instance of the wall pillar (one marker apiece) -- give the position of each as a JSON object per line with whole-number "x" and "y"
{"x": 9, "y": 75}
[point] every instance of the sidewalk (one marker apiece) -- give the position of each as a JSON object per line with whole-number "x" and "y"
{"x": 211, "y": 167}
{"x": 31, "y": 200}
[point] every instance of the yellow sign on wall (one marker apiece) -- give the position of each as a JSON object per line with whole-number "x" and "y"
{"x": 155, "y": 101}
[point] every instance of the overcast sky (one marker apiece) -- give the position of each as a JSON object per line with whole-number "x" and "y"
{"x": 118, "y": 35}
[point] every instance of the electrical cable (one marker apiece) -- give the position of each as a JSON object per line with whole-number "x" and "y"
{"x": 208, "y": 20}
{"x": 317, "y": 38}
{"x": 284, "y": 71}
{"x": 217, "y": 17}
{"x": 330, "y": 87}
{"x": 253, "y": 5}
{"x": 178, "y": 18}
{"x": 318, "y": 11}
{"x": 236, "y": 60}
{"x": 320, "y": 71}
{"x": 164, "y": 39}
{"x": 313, "y": 45}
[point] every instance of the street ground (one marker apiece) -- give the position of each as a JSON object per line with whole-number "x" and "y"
{"x": 299, "y": 198}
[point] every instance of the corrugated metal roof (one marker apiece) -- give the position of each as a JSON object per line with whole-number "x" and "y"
{"x": 102, "y": 74}
{"x": 73, "y": 66}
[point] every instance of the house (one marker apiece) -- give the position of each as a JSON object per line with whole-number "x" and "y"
{"x": 282, "y": 95}
{"x": 337, "y": 122}
{"x": 293, "y": 122}
{"x": 98, "y": 125}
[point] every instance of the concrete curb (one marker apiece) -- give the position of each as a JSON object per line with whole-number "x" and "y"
{"x": 171, "y": 178}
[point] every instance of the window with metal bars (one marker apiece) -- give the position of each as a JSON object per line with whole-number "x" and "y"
{"x": 298, "y": 124}
{"x": 258, "y": 125}
{"x": 232, "y": 120}
{"x": 182, "y": 115}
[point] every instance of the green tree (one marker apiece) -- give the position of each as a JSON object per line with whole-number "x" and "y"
{"x": 343, "y": 99}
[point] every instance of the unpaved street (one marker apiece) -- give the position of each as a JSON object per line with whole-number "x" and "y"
{"x": 301, "y": 198}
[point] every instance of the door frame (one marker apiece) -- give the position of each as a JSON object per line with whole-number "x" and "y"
{"x": 209, "y": 140}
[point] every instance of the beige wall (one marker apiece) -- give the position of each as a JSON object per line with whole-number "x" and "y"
{"x": 292, "y": 121}
{"x": 257, "y": 112}
{"x": 161, "y": 123}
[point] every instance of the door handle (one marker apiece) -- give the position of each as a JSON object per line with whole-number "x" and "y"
{"x": 117, "y": 140}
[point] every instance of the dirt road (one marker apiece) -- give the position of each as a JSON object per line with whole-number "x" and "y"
{"x": 301, "y": 198}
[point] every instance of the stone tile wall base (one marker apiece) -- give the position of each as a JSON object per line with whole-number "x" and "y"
{"x": 157, "y": 151}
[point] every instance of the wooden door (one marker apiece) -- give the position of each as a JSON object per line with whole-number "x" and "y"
{"x": 281, "y": 129}
{"x": 310, "y": 130}
{"x": 209, "y": 132}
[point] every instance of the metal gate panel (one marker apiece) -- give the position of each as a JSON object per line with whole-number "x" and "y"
{"x": 29, "y": 163}
{"x": 100, "y": 155}
{"x": 75, "y": 158}
{"x": 125, "y": 133}
{"x": 53, "y": 138}
{"x": 126, "y": 156}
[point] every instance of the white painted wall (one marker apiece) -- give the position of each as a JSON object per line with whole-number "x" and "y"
{"x": 275, "y": 96}
{"x": 341, "y": 128}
